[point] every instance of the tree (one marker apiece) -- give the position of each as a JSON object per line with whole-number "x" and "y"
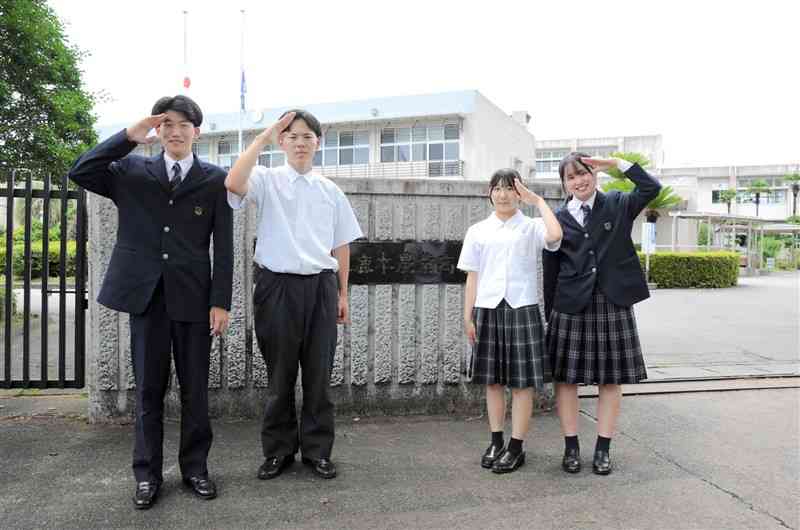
{"x": 757, "y": 187}
{"x": 46, "y": 117}
{"x": 666, "y": 198}
{"x": 793, "y": 180}
{"x": 728, "y": 196}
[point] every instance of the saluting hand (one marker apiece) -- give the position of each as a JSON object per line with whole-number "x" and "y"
{"x": 526, "y": 195}
{"x": 600, "y": 164}
{"x": 270, "y": 134}
{"x": 138, "y": 132}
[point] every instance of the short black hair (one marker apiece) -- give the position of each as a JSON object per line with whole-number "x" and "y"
{"x": 183, "y": 104}
{"x": 503, "y": 177}
{"x": 307, "y": 117}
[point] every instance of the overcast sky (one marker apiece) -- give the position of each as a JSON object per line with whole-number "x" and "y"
{"x": 719, "y": 80}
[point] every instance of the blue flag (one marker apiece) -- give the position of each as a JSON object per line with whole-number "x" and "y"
{"x": 242, "y": 92}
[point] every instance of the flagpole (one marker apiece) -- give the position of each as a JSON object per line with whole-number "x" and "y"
{"x": 242, "y": 87}
{"x": 186, "y": 80}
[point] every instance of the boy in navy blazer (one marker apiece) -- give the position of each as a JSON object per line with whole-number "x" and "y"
{"x": 170, "y": 206}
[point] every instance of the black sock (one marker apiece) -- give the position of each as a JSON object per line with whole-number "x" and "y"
{"x": 497, "y": 438}
{"x": 603, "y": 444}
{"x": 514, "y": 446}
{"x": 571, "y": 442}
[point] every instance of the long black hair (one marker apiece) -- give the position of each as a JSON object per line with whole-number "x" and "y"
{"x": 572, "y": 160}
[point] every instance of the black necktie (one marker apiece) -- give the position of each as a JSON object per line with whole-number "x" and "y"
{"x": 176, "y": 177}
{"x": 587, "y": 213}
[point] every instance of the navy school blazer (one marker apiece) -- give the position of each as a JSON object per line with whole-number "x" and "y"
{"x": 600, "y": 255}
{"x": 162, "y": 235}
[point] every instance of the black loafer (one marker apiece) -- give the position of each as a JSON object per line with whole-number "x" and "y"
{"x": 145, "y": 495}
{"x": 274, "y": 466}
{"x": 202, "y": 486}
{"x": 572, "y": 461}
{"x": 508, "y": 462}
{"x": 323, "y": 467}
{"x": 601, "y": 465}
{"x": 493, "y": 452}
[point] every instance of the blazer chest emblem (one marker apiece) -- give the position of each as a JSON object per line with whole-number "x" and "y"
{"x": 198, "y": 210}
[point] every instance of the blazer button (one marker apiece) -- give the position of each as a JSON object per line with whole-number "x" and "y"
{"x": 586, "y": 235}
{"x": 170, "y": 202}
{"x": 165, "y": 256}
{"x": 594, "y": 269}
{"x": 591, "y": 252}
{"x": 166, "y": 229}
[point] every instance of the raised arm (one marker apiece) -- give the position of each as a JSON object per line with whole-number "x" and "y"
{"x": 94, "y": 169}
{"x": 552, "y": 227}
{"x": 646, "y": 186}
{"x": 238, "y": 176}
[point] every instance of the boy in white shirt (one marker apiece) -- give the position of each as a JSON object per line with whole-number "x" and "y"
{"x": 305, "y": 225}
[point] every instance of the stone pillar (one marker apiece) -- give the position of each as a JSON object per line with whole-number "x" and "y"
{"x": 403, "y": 351}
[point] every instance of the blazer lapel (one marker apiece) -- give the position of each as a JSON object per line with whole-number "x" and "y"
{"x": 155, "y": 166}
{"x": 196, "y": 177}
{"x": 566, "y": 218}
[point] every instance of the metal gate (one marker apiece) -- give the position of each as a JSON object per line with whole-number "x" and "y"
{"x": 44, "y": 284}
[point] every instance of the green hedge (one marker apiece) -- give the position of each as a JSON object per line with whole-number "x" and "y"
{"x": 693, "y": 269}
{"x": 54, "y": 252}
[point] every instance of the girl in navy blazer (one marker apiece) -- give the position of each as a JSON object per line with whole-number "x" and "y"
{"x": 590, "y": 286}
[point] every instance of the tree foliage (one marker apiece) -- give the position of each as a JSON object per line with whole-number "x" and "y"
{"x": 666, "y": 198}
{"x": 46, "y": 117}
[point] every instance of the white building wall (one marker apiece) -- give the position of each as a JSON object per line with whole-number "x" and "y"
{"x": 493, "y": 140}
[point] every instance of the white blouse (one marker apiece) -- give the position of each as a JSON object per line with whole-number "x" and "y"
{"x": 504, "y": 254}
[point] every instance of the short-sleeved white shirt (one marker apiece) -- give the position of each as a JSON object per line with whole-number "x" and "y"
{"x": 300, "y": 219}
{"x": 504, "y": 254}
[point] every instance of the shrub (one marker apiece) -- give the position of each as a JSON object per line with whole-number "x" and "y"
{"x": 693, "y": 269}
{"x": 54, "y": 252}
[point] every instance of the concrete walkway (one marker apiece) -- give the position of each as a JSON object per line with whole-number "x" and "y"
{"x": 724, "y": 460}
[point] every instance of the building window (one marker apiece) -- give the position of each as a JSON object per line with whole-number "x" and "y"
{"x": 343, "y": 148}
{"x": 226, "y": 154}
{"x": 599, "y": 151}
{"x": 547, "y": 160}
{"x": 435, "y": 143}
{"x": 271, "y": 156}
{"x": 201, "y": 150}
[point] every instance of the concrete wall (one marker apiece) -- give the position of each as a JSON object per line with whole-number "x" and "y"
{"x": 403, "y": 352}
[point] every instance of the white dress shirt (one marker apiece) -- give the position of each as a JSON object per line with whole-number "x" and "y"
{"x": 574, "y": 205}
{"x": 300, "y": 219}
{"x": 504, "y": 254}
{"x": 185, "y": 163}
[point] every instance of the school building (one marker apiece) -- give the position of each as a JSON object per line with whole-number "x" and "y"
{"x": 453, "y": 134}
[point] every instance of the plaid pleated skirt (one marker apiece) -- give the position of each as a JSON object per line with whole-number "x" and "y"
{"x": 509, "y": 347}
{"x": 599, "y": 346}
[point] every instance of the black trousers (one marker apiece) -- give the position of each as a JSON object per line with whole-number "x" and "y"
{"x": 153, "y": 335}
{"x": 295, "y": 324}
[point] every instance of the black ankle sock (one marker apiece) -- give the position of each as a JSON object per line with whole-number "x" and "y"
{"x": 571, "y": 442}
{"x": 603, "y": 444}
{"x": 497, "y": 438}
{"x": 514, "y": 446}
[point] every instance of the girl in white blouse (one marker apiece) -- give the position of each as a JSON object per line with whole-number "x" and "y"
{"x": 501, "y": 312}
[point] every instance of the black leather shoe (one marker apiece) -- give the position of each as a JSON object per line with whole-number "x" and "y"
{"x": 274, "y": 466}
{"x": 145, "y": 495}
{"x": 493, "y": 452}
{"x": 508, "y": 462}
{"x": 323, "y": 467}
{"x": 572, "y": 461}
{"x": 202, "y": 486}
{"x": 602, "y": 463}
